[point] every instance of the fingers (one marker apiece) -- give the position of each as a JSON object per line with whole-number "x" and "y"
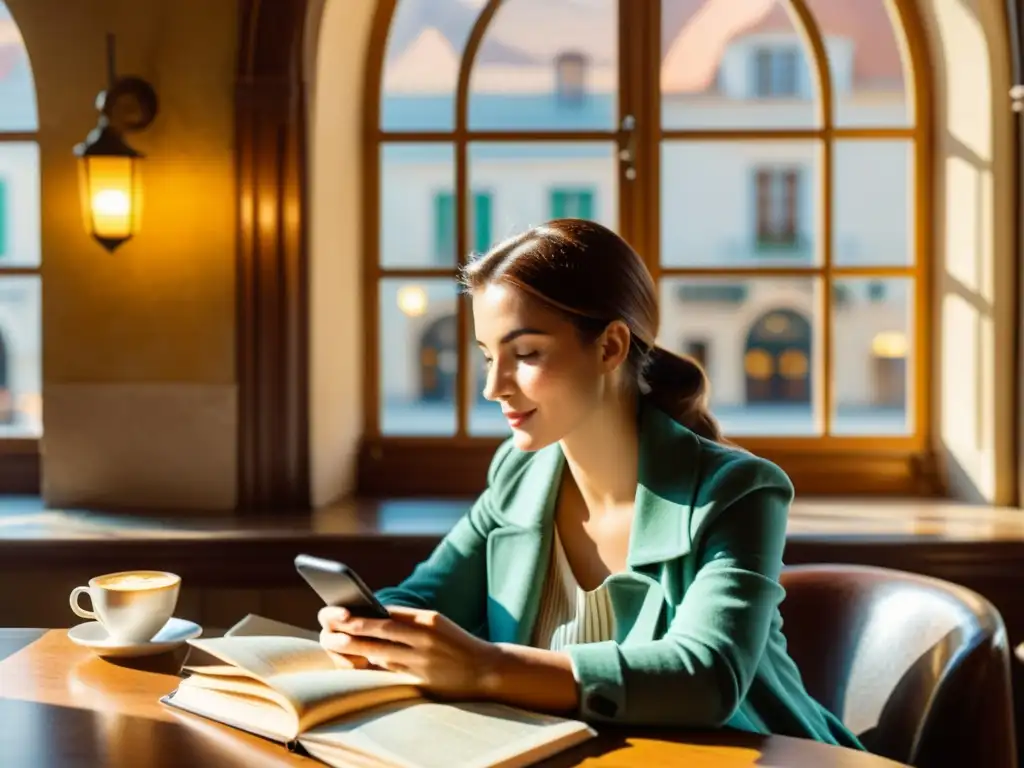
{"x": 330, "y": 615}
{"x": 342, "y": 661}
{"x": 417, "y": 616}
{"x": 377, "y": 652}
{"x": 384, "y": 629}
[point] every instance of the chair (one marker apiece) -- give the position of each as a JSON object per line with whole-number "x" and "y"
{"x": 918, "y": 668}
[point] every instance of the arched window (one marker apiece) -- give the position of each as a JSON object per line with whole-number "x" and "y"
{"x": 767, "y": 158}
{"x": 20, "y": 366}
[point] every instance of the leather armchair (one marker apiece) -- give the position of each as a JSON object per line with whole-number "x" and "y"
{"x": 918, "y": 668}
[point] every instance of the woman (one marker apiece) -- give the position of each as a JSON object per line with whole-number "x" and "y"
{"x": 623, "y": 563}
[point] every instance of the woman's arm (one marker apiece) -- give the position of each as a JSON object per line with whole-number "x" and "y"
{"x": 453, "y": 580}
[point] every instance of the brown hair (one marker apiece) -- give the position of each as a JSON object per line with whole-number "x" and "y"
{"x": 593, "y": 277}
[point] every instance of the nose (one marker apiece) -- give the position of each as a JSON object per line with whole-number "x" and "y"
{"x": 498, "y": 383}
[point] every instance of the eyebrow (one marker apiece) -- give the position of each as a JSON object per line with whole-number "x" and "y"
{"x": 513, "y": 335}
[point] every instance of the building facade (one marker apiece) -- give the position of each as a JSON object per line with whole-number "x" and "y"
{"x": 724, "y": 203}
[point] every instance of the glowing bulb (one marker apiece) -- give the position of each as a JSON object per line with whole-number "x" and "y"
{"x": 111, "y": 202}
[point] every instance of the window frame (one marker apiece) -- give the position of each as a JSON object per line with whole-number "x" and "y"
{"x": 826, "y": 463}
{"x": 20, "y": 462}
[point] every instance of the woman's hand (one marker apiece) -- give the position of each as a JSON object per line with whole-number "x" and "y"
{"x": 451, "y": 662}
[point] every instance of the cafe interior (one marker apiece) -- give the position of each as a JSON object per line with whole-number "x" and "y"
{"x": 217, "y": 350}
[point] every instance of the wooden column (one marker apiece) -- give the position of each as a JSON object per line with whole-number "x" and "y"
{"x": 272, "y": 260}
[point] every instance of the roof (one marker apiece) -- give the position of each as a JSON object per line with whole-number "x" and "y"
{"x": 428, "y": 36}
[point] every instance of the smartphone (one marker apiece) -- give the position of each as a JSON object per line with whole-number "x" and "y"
{"x": 337, "y": 584}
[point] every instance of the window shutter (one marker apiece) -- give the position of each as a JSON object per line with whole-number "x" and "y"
{"x": 763, "y": 205}
{"x": 558, "y": 204}
{"x": 482, "y": 221}
{"x": 444, "y": 228}
{"x": 4, "y": 213}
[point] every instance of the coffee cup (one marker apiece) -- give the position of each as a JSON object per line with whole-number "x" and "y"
{"x": 131, "y": 605}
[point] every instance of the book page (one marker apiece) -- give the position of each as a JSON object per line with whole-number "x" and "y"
{"x": 312, "y": 697}
{"x": 255, "y": 715}
{"x": 427, "y": 734}
{"x": 260, "y": 625}
{"x": 263, "y": 657}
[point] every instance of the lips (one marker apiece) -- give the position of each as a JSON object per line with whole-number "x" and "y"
{"x": 517, "y": 418}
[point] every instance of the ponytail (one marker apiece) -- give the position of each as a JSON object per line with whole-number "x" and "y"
{"x": 678, "y": 386}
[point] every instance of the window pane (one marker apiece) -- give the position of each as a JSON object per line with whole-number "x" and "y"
{"x": 521, "y": 177}
{"x": 872, "y": 202}
{"x": 417, "y": 205}
{"x": 20, "y": 357}
{"x": 759, "y": 341}
{"x": 421, "y": 64}
{"x": 739, "y": 203}
{"x": 17, "y": 89}
{"x": 865, "y": 61}
{"x": 547, "y": 66}
{"x": 872, "y": 334}
{"x": 734, "y": 65}
{"x": 19, "y": 203}
{"x": 418, "y": 356}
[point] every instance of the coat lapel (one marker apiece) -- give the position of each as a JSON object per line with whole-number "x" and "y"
{"x": 666, "y": 478}
{"x": 518, "y": 553}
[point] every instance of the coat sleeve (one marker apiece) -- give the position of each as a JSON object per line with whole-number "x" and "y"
{"x": 699, "y": 672}
{"x": 453, "y": 580}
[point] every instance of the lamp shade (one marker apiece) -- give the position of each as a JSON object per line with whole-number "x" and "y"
{"x": 110, "y": 183}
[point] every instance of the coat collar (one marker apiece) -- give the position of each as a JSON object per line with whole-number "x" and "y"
{"x": 667, "y": 477}
{"x": 668, "y": 473}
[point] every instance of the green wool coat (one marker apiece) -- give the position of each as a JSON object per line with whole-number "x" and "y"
{"x": 699, "y": 640}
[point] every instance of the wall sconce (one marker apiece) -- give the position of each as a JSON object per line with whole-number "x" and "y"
{"x": 110, "y": 180}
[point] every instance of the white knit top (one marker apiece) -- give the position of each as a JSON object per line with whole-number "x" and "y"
{"x": 568, "y": 614}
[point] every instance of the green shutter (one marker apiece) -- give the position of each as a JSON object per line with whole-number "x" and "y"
{"x": 558, "y": 204}
{"x": 4, "y": 212}
{"x": 481, "y": 222}
{"x": 586, "y": 204}
{"x": 444, "y": 228}
{"x": 572, "y": 204}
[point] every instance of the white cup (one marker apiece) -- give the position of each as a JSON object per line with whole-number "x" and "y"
{"x": 131, "y": 605}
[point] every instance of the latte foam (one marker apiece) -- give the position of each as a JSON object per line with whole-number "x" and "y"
{"x": 136, "y": 581}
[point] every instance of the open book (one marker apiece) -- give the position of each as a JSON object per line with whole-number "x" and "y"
{"x": 276, "y": 681}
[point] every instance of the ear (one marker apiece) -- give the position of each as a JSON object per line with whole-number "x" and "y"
{"x": 614, "y": 345}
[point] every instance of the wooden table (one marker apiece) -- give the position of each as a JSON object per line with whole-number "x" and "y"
{"x": 62, "y": 706}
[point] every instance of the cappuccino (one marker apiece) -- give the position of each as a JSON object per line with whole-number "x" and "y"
{"x": 131, "y": 605}
{"x": 134, "y": 580}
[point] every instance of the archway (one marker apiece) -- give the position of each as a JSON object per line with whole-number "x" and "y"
{"x": 776, "y": 361}
{"x": 438, "y": 361}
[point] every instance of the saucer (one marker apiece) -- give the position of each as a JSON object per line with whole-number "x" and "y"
{"x": 93, "y": 635}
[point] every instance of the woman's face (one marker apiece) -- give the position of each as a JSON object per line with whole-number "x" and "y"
{"x": 546, "y": 379}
